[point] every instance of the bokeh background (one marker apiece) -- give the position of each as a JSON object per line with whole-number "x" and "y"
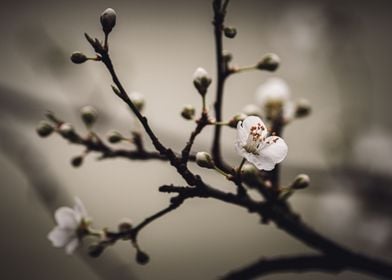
{"x": 334, "y": 53}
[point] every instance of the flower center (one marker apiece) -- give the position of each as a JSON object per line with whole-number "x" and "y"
{"x": 254, "y": 139}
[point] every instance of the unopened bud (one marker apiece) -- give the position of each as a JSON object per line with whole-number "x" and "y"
{"x": 108, "y": 20}
{"x": 66, "y": 130}
{"x": 237, "y": 118}
{"x": 44, "y": 129}
{"x": 78, "y": 58}
{"x": 303, "y": 108}
{"x": 188, "y": 112}
{"x": 249, "y": 171}
{"x": 77, "y": 161}
{"x": 114, "y": 137}
{"x": 142, "y": 258}
{"x": 227, "y": 56}
{"x": 125, "y": 225}
{"x": 252, "y": 110}
{"x": 95, "y": 250}
{"x": 204, "y": 159}
{"x": 201, "y": 80}
{"x": 302, "y": 181}
{"x": 230, "y": 32}
{"x": 137, "y": 99}
{"x": 89, "y": 115}
{"x": 270, "y": 62}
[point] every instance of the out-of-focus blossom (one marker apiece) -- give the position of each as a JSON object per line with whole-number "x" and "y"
{"x": 274, "y": 99}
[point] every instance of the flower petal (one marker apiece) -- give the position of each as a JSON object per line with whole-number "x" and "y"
{"x": 59, "y": 236}
{"x": 71, "y": 246}
{"x": 261, "y": 163}
{"x": 80, "y": 209}
{"x": 273, "y": 151}
{"x": 66, "y": 218}
{"x": 244, "y": 127}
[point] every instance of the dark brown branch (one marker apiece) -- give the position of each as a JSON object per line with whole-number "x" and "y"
{"x": 201, "y": 123}
{"x": 292, "y": 264}
{"x": 278, "y": 212}
{"x": 219, "y": 16}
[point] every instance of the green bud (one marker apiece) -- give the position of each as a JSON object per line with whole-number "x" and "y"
{"x": 303, "y": 108}
{"x": 188, "y": 112}
{"x": 66, "y": 130}
{"x": 115, "y": 137}
{"x": 302, "y": 181}
{"x": 201, "y": 80}
{"x": 249, "y": 172}
{"x": 137, "y": 99}
{"x": 89, "y": 115}
{"x": 230, "y": 32}
{"x": 77, "y": 161}
{"x": 78, "y": 58}
{"x": 204, "y": 159}
{"x": 142, "y": 258}
{"x": 44, "y": 129}
{"x": 108, "y": 20}
{"x": 269, "y": 62}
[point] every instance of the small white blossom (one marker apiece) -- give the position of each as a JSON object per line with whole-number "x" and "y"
{"x": 201, "y": 80}
{"x": 274, "y": 97}
{"x": 69, "y": 221}
{"x": 253, "y": 144}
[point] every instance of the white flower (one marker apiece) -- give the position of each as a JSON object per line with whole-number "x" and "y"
{"x": 69, "y": 220}
{"x": 253, "y": 144}
{"x": 274, "y": 97}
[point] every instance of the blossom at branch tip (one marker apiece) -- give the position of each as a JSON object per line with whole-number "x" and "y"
{"x": 70, "y": 222}
{"x": 253, "y": 144}
{"x": 201, "y": 80}
{"x": 274, "y": 99}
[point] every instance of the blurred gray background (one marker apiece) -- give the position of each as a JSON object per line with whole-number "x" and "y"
{"x": 334, "y": 53}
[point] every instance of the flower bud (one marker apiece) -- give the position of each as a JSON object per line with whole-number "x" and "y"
{"x": 201, "y": 80}
{"x": 230, "y": 32}
{"x": 302, "y": 181}
{"x": 44, "y": 129}
{"x": 89, "y": 115}
{"x": 114, "y": 137}
{"x": 77, "y": 161}
{"x": 252, "y": 110}
{"x": 303, "y": 108}
{"x": 188, "y": 112}
{"x": 125, "y": 225}
{"x": 239, "y": 117}
{"x": 227, "y": 56}
{"x": 249, "y": 172}
{"x": 204, "y": 159}
{"x": 270, "y": 62}
{"x": 66, "y": 130}
{"x": 95, "y": 250}
{"x": 137, "y": 99}
{"x": 78, "y": 58}
{"x": 142, "y": 258}
{"x": 108, "y": 20}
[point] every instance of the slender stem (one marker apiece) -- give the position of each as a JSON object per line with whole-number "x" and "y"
{"x": 201, "y": 123}
{"x": 219, "y": 16}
